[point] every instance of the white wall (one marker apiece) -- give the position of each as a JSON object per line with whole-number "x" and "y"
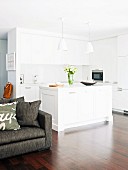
{"x": 11, "y": 49}
{"x": 3, "y": 72}
{"x": 104, "y": 57}
{"x": 48, "y": 73}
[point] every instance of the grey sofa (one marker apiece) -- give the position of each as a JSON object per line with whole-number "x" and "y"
{"x": 27, "y": 139}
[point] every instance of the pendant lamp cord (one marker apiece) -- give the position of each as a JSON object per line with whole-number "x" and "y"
{"x": 89, "y": 31}
{"x": 62, "y": 26}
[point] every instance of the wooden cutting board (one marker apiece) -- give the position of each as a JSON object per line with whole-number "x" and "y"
{"x": 56, "y": 85}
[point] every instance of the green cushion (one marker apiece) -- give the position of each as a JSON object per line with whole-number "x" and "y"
{"x": 8, "y": 119}
{"x": 27, "y": 113}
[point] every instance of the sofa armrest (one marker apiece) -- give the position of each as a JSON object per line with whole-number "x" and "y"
{"x": 45, "y": 121}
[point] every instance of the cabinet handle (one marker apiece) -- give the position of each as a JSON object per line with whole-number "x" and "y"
{"x": 119, "y": 89}
{"x": 27, "y": 87}
{"x": 72, "y": 92}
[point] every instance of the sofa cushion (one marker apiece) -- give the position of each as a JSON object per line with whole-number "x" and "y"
{"x": 27, "y": 113}
{"x": 8, "y": 119}
{"x": 19, "y": 99}
{"x": 25, "y": 133}
{"x": 3, "y": 100}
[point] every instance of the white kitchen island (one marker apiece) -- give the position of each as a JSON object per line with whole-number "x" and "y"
{"x": 77, "y": 105}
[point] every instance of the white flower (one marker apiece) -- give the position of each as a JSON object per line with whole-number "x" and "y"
{"x": 70, "y": 69}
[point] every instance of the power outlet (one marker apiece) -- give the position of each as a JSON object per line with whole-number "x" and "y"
{"x": 21, "y": 79}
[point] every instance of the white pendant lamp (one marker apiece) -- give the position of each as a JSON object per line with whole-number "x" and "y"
{"x": 62, "y": 44}
{"x": 89, "y": 47}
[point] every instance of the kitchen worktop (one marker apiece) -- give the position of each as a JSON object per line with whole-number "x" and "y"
{"x": 65, "y": 86}
{"x": 75, "y": 85}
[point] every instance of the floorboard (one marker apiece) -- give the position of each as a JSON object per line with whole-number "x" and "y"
{"x": 94, "y": 147}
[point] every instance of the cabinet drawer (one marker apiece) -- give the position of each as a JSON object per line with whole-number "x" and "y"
{"x": 30, "y": 93}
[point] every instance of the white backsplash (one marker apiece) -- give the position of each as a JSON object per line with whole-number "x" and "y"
{"x": 47, "y": 73}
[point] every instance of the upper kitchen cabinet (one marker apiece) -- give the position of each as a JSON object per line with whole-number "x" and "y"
{"x": 44, "y": 50}
{"x": 122, "y": 45}
{"x": 104, "y": 57}
{"x": 33, "y": 49}
{"x": 38, "y": 47}
{"x": 77, "y": 52}
{"x": 24, "y": 48}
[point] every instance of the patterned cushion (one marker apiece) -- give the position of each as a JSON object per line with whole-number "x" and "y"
{"x": 27, "y": 113}
{"x": 8, "y": 119}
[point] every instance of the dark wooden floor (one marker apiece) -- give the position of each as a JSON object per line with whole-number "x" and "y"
{"x": 97, "y": 147}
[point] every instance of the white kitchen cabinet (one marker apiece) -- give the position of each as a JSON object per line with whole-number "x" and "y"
{"x": 42, "y": 49}
{"x": 37, "y": 48}
{"x": 102, "y": 105}
{"x": 117, "y": 100}
{"x": 68, "y": 103}
{"x": 57, "y": 56}
{"x": 24, "y": 48}
{"x": 120, "y": 99}
{"x": 124, "y": 97}
{"x": 85, "y": 103}
{"x": 120, "y": 92}
{"x": 104, "y": 57}
{"x": 45, "y": 51}
{"x": 30, "y": 92}
{"x": 122, "y": 45}
{"x": 77, "y": 52}
{"x": 77, "y": 106}
{"x": 122, "y": 72}
{"x": 48, "y": 103}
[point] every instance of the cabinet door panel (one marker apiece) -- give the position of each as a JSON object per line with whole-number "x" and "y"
{"x": 70, "y": 105}
{"x": 122, "y": 72}
{"x": 85, "y": 105}
{"x": 49, "y": 103}
{"x": 41, "y": 50}
{"x": 98, "y": 103}
{"x": 25, "y": 49}
{"x": 45, "y": 50}
{"x": 77, "y": 52}
{"x": 102, "y": 102}
{"x": 122, "y": 45}
{"x": 120, "y": 100}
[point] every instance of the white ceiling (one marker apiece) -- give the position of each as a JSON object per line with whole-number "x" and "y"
{"x": 107, "y": 17}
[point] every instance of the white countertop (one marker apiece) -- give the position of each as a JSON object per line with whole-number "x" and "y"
{"x": 74, "y": 86}
{"x": 66, "y": 85}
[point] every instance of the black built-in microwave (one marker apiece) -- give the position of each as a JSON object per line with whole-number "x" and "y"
{"x": 97, "y": 75}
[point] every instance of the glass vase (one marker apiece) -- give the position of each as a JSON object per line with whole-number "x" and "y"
{"x": 70, "y": 79}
